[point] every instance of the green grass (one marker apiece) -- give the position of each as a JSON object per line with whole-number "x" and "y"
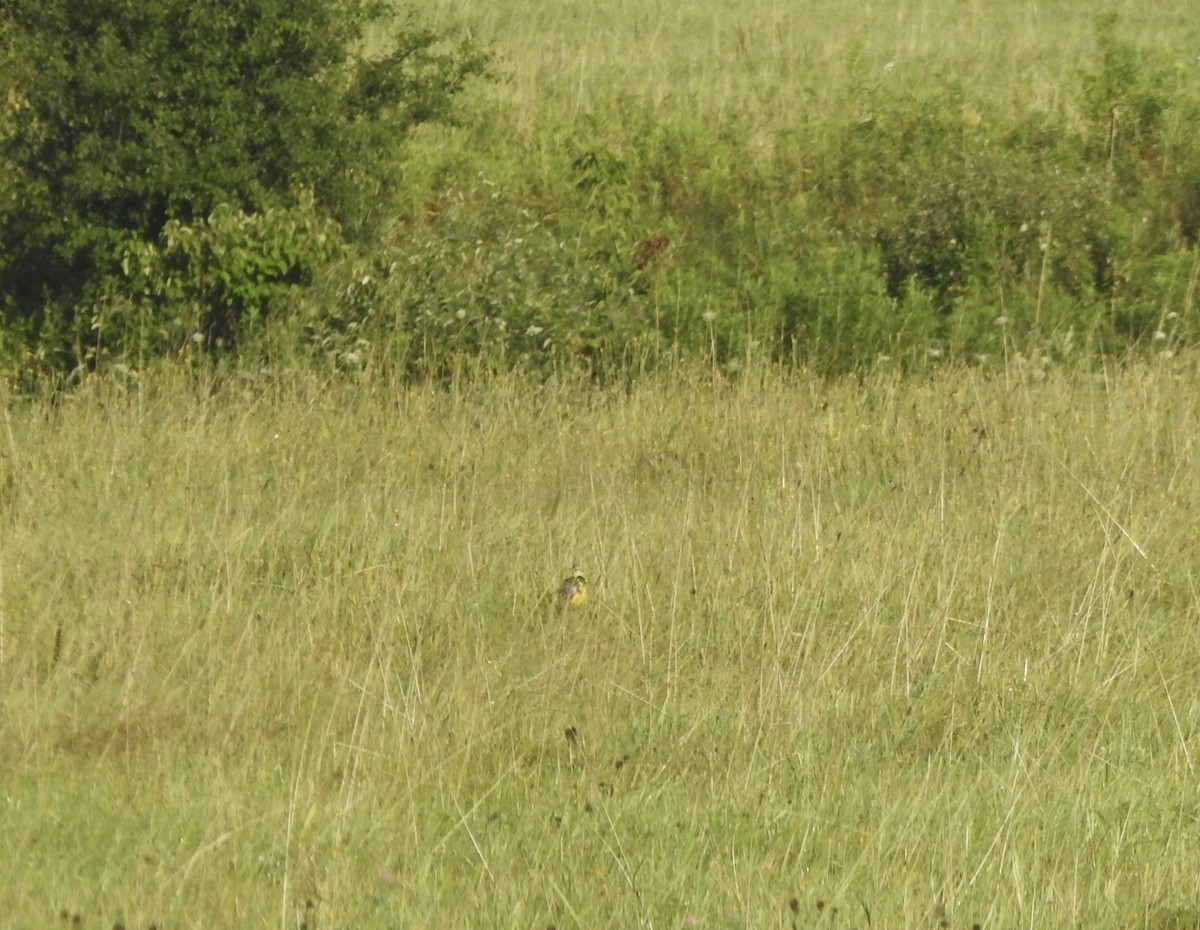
{"x": 785, "y": 63}
{"x": 905, "y": 651}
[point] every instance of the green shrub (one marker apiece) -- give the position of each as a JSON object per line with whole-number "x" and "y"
{"x": 502, "y": 272}
{"x": 1124, "y": 102}
{"x": 130, "y": 123}
{"x": 837, "y": 315}
{"x": 208, "y": 285}
{"x": 923, "y": 228}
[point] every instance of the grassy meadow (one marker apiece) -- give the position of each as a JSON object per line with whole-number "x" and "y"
{"x": 897, "y": 652}
{"x": 908, "y": 647}
{"x": 783, "y": 62}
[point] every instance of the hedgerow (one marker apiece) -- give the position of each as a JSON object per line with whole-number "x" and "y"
{"x": 912, "y": 225}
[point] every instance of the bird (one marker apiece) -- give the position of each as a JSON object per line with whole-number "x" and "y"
{"x": 573, "y": 591}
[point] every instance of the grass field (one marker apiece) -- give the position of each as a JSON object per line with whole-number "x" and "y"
{"x": 904, "y": 652}
{"x": 784, "y": 60}
{"x": 881, "y": 651}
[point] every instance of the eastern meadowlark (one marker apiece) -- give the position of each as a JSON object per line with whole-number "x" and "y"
{"x": 573, "y": 591}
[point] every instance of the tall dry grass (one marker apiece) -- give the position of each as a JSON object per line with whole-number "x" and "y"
{"x": 907, "y": 652}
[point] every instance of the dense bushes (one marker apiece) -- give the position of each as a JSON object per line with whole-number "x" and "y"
{"x": 922, "y": 226}
{"x": 206, "y": 133}
{"x": 919, "y": 225}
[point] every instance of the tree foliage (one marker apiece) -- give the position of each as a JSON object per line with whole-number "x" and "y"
{"x": 123, "y": 117}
